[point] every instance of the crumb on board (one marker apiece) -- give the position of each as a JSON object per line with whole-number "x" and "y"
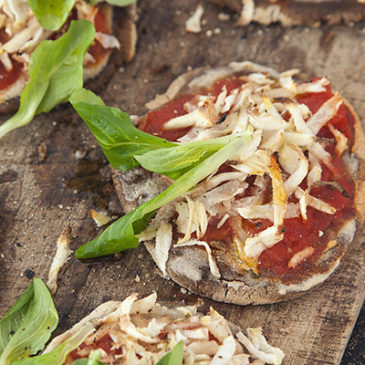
{"x": 193, "y": 24}
{"x": 100, "y": 218}
{"x": 224, "y": 17}
{"x": 42, "y": 152}
{"x": 62, "y": 254}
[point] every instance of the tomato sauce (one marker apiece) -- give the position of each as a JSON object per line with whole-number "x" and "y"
{"x": 105, "y": 343}
{"x": 101, "y": 24}
{"x": 343, "y": 120}
{"x": 153, "y": 122}
{"x": 9, "y": 78}
{"x": 298, "y": 234}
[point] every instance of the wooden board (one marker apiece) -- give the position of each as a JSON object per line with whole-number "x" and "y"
{"x": 52, "y": 172}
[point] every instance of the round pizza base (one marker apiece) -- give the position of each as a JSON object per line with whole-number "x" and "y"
{"x": 189, "y": 266}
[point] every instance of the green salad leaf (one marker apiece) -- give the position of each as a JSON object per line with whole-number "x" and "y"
{"x": 174, "y": 357}
{"x": 126, "y": 146}
{"x": 175, "y": 161}
{"x": 28, "y": 325}
{"x": 121, "y": 235}
{"x": 56, "y": 70}
{"x": 51, "y": 14}
{"x": 59, "y": 354}
{"x": 114, "y": 131}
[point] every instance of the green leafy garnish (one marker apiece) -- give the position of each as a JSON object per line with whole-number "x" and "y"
{"x": 175, "y": 161}
{"x": 174, "y": 357}
{"x": 28, "y": 325}
{"x": 59, "y": 354}
{"x": 126, "y": 146}
{"x": 114, "y": 131}
{"x": 51, "y": 14}
{"x": 56, "y": 70}
{"x": 121, "y": 235}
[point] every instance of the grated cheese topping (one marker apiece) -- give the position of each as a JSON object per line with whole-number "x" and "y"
{"x": 284, "y": 153}
{"x": 143, "y": 331}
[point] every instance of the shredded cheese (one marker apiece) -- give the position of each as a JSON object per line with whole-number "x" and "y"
{"x": 300, "y": 256}
{"x": 284, "y": 152}
{"x": 143, "y": 331}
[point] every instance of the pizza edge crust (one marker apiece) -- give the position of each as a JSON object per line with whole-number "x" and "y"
{"x": 189, "y": 266}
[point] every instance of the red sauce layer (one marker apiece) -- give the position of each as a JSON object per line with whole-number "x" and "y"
{"x": 105, "y": 343}
{"x": 8, "y": 78}
{"x": 99, "y": 17}
{"x": 153, "y": 122}
{"x": 298, "y": 234}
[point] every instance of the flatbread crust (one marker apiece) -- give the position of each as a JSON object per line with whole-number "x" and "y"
{"x": 189, "y": 266}
{"x": 296, "y": 12}
{"x": 123, "y": 23}
{"x": 150, "y": 330}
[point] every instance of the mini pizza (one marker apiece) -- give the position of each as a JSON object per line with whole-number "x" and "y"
{"x": 143, "y": 331}
{"x": 296, "y": 12}
{"x": 20, "y": 34}
{"x": 275, "y": 220}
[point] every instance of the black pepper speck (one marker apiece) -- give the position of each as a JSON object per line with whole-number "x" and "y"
{"x": 29, "y": 274}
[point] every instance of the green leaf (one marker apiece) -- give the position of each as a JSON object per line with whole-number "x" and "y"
{"x": 114, "y": 2}
{"x": 121, "y": 235}
{"x": 114, "y": 131}
{"x": 51, "y": 14}
{"x": 175, "y": 161}
{"x": 56, "y": 70}
{"x": 174, "y": 357}
{"x": 59, "y": 354}
{"x": 85, "y": 96}
{"x": 28, "y": 325}
{"x": 126, "y": 146}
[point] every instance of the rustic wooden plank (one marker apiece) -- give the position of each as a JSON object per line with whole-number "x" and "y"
{"x": 43, "y": 185}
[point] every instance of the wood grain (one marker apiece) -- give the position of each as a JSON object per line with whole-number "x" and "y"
{"x": 52, "y": 172}
{"x": 299, "y": 12}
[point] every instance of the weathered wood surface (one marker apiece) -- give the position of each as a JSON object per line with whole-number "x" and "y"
{"x": 44, "y": 183}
